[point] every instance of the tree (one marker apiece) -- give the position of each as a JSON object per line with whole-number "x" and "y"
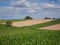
{"x": 46, "y": 18}
{"x": 53, "y": 18}
{"x": 8, "y": 23}
{"x": 28, "y": 17}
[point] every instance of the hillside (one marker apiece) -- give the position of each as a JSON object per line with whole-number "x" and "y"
{"x": 29, "y": 35}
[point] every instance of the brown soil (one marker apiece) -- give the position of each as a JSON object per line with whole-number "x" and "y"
{"x": 30, "y": 22}
{"x": 53, "y": 27}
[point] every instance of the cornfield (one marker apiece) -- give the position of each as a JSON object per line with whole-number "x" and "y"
{"x": 30, "y": 39}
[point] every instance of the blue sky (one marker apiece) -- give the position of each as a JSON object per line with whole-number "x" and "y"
{"x": 18, "y": 9}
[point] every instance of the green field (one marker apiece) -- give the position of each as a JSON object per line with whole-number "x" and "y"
{"x": 29, "y": 35}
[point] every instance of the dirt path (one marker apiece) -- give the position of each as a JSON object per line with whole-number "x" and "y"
{"x": 30, "y": 22}
{"x": 53, "y": 27}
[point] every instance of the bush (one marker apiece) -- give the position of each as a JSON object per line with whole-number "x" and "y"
{"x": 28, "y": 17}
{"x": 8, "y": 23}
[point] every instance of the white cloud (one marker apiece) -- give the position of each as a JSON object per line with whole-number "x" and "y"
{"x": 19, "y": 2}
{"x": 3, "y": 0}
{"x": 41, "y": 9}
{"x": 50, "y": 5}
{"x": 32, "y": 7}
{"x": 23, "y": 4}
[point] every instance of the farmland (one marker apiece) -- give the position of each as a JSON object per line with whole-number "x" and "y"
{"x": 29, "y": 35}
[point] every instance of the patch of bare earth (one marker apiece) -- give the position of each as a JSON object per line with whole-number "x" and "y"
{"x": 53, "y": 27}
{"x": 30, "y": 22}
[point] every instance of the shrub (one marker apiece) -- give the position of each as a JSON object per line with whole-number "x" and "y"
{"x": 8, "y": 23}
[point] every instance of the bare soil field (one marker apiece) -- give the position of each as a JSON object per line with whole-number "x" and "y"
{"x": 53, "y": 27}
{"x": 30, "y": 22}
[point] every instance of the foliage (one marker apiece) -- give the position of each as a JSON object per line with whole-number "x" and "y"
{"x": 47, "y": 18}
{"x": 8, "y": 23}
{"x": 28, "y": 17}
{"x": 53, "y": 18}
{"x": 40, "y": 38}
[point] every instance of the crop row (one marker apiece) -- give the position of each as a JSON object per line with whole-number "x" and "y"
{"x": 30, "y": 39}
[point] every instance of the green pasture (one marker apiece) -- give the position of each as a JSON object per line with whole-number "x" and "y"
{"x": 29, "y": 35}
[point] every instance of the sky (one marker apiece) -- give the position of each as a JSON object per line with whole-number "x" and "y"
{"x": 18, "y": 9}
